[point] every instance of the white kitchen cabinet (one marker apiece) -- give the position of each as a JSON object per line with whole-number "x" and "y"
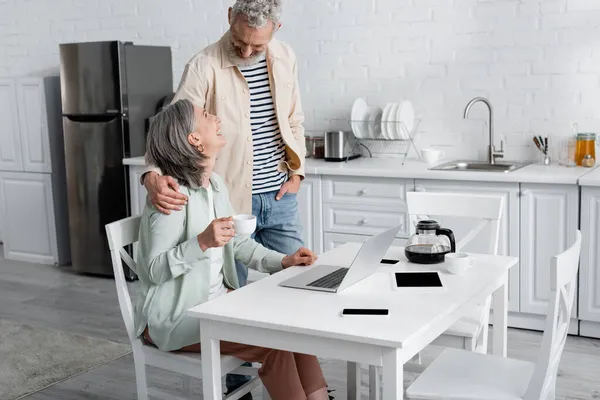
{"x": 362, "y": 220}
{"x": 35, "y": 142}
{"x": 379, "y": 192}
{"x": 508, "y": 243}
{"x": 549, "y": 220}
{"x": 28, "y": 209}
{"x": 136, "y": 189}
{"x": 333, "y": 240}
{"x": 10, "y": 138}
{"x": 589, "y": 272}
{"x": 310, "y": 211}
{"x": 364, "y": 206}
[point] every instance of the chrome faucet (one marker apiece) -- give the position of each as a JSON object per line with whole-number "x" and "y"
{"x": 492, "y": 152}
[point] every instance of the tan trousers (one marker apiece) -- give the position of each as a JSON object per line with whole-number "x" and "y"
{"x": 286, "y": 375}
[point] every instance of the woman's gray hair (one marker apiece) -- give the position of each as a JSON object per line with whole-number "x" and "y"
{"x": 168, "y": 148}
{"x": 258, "y": 12}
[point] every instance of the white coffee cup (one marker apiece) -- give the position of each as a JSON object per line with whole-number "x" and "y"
{"x": 244, "y": 224}
{"x": 432, "y": 155}
{"x": 458, "y": 263}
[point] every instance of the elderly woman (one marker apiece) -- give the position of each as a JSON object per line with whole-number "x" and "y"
{"x": 188, "y": 257}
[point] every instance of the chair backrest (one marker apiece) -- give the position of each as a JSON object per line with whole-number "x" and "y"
{"x": 563, "y": 283}
{"x": 485, "y": 208}
{"x": 120, "y": 234}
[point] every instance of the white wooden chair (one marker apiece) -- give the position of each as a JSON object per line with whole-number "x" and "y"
{"x": 471, "y": 331}
{"x": 121, "y": 234}
{"x": 458, "y": 374}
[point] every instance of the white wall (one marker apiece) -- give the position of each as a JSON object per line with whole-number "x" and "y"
{"x": 537, "y": 60}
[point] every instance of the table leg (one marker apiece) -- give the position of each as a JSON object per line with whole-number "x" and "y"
{"x": 211, "y": 363}
{"x": 374, "y": 387}
{"x": 353, "y": 380}
{"x": 393, "y": 375}
{"x": 500, "y": 317}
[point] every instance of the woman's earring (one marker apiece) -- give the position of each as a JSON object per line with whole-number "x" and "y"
{"x": 201, "y": 148}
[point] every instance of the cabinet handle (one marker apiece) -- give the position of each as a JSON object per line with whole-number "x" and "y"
{"x": 363, "y": 221}
{"x": 363, "y": 191}
{"x": 420, "y": 189}
{"x": 524, "y": 192}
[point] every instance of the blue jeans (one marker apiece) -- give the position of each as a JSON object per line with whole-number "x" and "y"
{"x": 277, "y": 228}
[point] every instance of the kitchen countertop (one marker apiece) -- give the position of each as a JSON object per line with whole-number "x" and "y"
{"x": 592, "y": 178}
{"x": 392, "y": 168}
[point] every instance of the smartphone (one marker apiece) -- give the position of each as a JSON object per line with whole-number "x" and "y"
{"x": 388, "y": 261}
{"x": 365, "y": 311}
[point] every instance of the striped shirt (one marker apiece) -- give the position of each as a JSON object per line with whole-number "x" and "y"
{"x": 268, "y": 144}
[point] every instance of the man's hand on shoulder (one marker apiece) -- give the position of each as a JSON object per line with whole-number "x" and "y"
{"x": 164, "y": 192}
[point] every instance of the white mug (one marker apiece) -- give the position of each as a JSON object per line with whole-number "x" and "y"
{"x": 458, "y": 263}
{"x": 244, "y": 224}
{"x": 432, "y": 155}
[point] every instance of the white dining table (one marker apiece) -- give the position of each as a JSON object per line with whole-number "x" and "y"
{"x": 266, "y": 314}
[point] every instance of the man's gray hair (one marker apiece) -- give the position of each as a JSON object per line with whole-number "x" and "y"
{"x": 168, "y": 148}
{"x": 258, "y": 12}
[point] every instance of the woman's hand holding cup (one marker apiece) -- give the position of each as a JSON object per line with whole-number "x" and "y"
{"x": 218, "y": 233}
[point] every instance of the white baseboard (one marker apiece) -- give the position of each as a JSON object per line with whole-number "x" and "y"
{"x": 589, "y": 329}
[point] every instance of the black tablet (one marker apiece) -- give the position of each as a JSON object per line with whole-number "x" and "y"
{"x": 418, "y": 279}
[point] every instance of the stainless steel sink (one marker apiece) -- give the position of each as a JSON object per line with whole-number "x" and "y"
{"x": 481, "y": 166}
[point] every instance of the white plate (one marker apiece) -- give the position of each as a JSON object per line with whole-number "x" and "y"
{"x": 384, "y": 121}
{"x": 358, "y": 116}
{"x": 406, "y": 114}
{"x": 374, "y": 124}
{"x": 393, "y": 129}
{"x": 400, "y": 127}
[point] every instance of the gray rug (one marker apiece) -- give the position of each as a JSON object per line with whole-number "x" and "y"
{"x": 33, "y": 358}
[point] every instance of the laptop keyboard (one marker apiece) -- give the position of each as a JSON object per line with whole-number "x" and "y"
{"x": 331, "y": 280}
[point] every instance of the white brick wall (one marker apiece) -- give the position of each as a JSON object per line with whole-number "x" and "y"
{"x": 537, "y": 60}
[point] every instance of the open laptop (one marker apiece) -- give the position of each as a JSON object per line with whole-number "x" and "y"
{"x": 331, "y": 278}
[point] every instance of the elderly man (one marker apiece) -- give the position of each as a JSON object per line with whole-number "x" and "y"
{"x": 249, "y": 79}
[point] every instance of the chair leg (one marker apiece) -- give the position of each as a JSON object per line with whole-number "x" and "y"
{"x": 416, "y": 359}
{"x": 469, "y": 344}
{"x": 374, "y": 386}
{"x": 353, "y": 381}
{"x": 187, "y": 386}
{"x": 140, "y": 379}
{"x": 482, "y": 340}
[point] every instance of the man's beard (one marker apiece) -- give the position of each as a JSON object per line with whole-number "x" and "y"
{"x": 234, "y": 57}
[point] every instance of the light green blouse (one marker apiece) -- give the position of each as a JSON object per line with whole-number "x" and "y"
{"x": 174, "y": 273}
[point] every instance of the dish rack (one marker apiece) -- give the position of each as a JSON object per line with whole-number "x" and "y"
{"x": 378, "y": 143}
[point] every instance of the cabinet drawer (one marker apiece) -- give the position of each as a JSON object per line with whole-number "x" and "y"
{"x": 374, "y": 191}
{"x": 333, "y": 240}
{"x": 362, "y": 220}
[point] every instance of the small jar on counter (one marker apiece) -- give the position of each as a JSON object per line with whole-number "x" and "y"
{"x": 318, "y": 147}
{"x": 588, "y": 161}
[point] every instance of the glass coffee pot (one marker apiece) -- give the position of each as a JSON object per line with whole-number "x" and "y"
{"x": 430, "y": 243}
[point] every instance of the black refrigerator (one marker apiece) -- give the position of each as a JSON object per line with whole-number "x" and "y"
{"x": 109, "y": 91}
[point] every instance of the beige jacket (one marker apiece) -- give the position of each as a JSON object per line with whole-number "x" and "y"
{"x": 211, "y": 81}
